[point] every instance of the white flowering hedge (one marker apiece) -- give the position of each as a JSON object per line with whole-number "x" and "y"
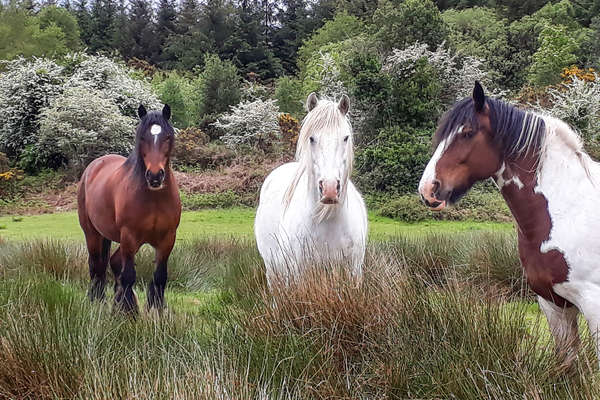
{"x": 457, "y": 74}
{"x": 578, "y": 103}
{"x": 250, "y": 122}
{"x": 88, "y": 107}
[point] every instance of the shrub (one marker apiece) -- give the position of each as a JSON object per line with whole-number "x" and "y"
{"x": 557, "y": 51}
{"x": 74, "y": 131}
{"x": 290, "y": 129}
{"x": 113, "y": 81}
{"x": 217, "y": 88}
{"x": 189, "y": 146}
{"x": 176, "y": 91}
{"x": 289, "y": 95}
{"x": 250, "y": 122}
{"x": 578, "y": 103}
{"x": 26, "y": 88}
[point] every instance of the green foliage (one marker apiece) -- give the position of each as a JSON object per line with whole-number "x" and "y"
{"x": 398, "y": 25}
{"x": 289, "y": 95}
{"x": 339, "y": 29}
{"x": 217, "y": 88}
{"x": 62, "y": 18}
{"x": 53, "y": 33}
{"x": 175, "y": 90}
{"x": 557, "y": 51}
{"x": 198, "y": 201}
{"x": 394, "y": 161}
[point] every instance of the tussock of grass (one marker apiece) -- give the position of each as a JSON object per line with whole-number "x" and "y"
{"x": 434, "y": 317}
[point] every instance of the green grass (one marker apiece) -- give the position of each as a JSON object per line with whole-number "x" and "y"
{"x": 437, "y": 316}
{"x": 221, "y": 222}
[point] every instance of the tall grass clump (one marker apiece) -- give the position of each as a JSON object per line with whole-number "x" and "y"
{"x": 432, "y": 317}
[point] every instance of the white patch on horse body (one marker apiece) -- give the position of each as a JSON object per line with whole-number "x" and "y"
{"x": 501, "y": 181}
{"x": 155, "y": 130}
{"x": 572, "y": 199}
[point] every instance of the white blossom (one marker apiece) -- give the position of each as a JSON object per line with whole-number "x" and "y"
{"x": 331, "y": 82}
{"x": 457, "y": 74}
{"x": 249, "y": 122}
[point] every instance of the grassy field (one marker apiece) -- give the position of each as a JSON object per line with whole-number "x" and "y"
{"x": 437, "y": 316}
{"x": 230, "y": 222}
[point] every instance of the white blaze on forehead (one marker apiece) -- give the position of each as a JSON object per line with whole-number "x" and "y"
{"x": 155, "y": 130}
{"x": 429, "y": 173}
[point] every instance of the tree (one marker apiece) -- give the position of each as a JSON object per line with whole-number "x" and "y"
{"x": 397, "y": 25}
{"x": 142, "y": 31}
{"x": 166, "y": 25}
{"x": 293, "y": 27}
{"x": 22, "y": 35}
{"x": 103, "y": 24}
{"x": 84, "y": 20}
{"x": 557, "y": 51}
{"x": 63, "y": 19}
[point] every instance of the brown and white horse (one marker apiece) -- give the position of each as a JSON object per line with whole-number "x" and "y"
{"x": 131, "y": 201}
{"x": 550, "y": 186}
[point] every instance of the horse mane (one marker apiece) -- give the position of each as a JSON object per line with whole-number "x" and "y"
{"x": 517, "y": 132}
{"x": 134, "y": 161}
{"x": 328, "y": 120}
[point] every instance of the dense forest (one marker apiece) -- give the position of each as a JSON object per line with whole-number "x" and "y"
{"x": 236, "y": 73}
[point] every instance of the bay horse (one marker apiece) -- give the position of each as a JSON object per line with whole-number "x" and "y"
{"x": 550, "y": 185}
{"x": 131, "y": 201}
{"x": 309, "y": 210}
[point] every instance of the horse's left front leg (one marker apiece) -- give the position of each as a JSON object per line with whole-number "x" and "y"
{"x": 156, "y": 288}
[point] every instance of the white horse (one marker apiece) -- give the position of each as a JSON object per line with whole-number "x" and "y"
{"x": 309, "y": 210}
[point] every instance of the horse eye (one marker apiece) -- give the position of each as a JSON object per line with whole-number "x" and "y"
{"x": 346, "y": 138}
{"x": 312, "y": 139}
{"x": 469, "y": 134}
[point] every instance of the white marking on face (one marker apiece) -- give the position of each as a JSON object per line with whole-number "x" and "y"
{"x": 429, "y": 173}
{"x": 155, "y": 130}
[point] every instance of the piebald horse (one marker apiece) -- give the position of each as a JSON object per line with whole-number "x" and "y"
{"x": 131, "y": 201}
{"x": 309, "y": 210}
{"x": 551, "y": 187}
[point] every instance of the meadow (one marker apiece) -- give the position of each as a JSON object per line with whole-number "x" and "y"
{"x": 443, "y": 312}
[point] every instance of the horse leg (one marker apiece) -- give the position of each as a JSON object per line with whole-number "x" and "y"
{"x": 563, "y": 325}
{"x": 590, "y": 308}
{"x": 115, "y": 266}
{"x": 156, "y": 288}
{"x": 98, "y": 250}
{"x": 125, "y": 299}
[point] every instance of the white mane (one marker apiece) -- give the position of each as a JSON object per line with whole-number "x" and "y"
{"x": 325, "y": 120}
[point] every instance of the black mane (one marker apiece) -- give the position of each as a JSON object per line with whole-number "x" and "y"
{"x": 134, "y": 160}
{"x": 516, "y": 132}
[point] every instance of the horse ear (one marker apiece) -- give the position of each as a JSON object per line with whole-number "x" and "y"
{"x": 344, "y": 104}
{"x": 311, "y": 101}
{"x": 478, "y": 97}
{"x": 166, "y": 112}
{"x": 141, "y": 111}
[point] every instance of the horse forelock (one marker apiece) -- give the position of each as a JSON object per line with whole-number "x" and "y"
{"x": 326, "y": 121}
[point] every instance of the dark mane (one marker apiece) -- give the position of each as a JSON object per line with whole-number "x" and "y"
{"x": 516, "y": 132}
{"x": 135, "y": 161}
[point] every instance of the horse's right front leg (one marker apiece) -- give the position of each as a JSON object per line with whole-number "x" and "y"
{"x": 125, "y": 299}
{"x": 563, "y": 325}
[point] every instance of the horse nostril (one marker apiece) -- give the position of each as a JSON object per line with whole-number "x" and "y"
{"x": 161, "y": 174}
{"x": 148, "y": 175}
{"x": 321, "y": 186}
{"x": 338, "y": 186}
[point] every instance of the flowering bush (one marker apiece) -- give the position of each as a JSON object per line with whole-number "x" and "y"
{"x": 290, "y": 129}
{"x": 250, "y": 122}
{"x": 26, "y": 87}
{"x": 112, "y": 81}
{"x": 75, "y": 132}
{"x": 56, "y": 116}
{"x": 578, "y": 103}
{"x": 457, "y": 75}
{"x": 588, "y": 75}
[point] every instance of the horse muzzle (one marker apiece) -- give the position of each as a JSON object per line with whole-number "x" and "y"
{"x": 429, "y": 193}
{"x": 329, "y": 189}
{"x": 155, "y": 180}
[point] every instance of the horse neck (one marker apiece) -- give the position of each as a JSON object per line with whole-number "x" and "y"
{"x": 522, "y": 186}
